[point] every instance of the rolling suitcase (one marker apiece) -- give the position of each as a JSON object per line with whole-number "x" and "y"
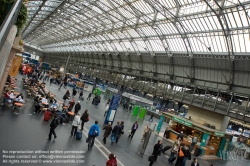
{"x": 197, "y": 152}
{"x": 166, "y": 148}
{"x": 46, "y": 116}
{"x": 79, "y": 135}
{"x": 172, "y": 160}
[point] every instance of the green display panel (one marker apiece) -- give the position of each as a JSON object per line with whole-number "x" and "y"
{"x": 142, "y": 113}
{"x": 136, "y": 111}
{"x": 158, "y": 129}
{"x": 204, "y": 139}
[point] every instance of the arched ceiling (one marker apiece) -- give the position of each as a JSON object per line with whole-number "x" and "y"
{"x": 139, "y": 26}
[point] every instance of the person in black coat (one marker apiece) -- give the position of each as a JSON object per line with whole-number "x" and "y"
{"x": 84, "y": 118}
{"x": 180, "y": 135}
{"x": 157, "y": 149}
{"x": 195, "y": 162}
{"x": 55, "y": 122}
{"x": 133, "y": 129}
{"x": 181, "y": 155}
{"x": 115, "y": 132}
{"x": 77, "y": 107}
{"x": 74, "y": 92}
{"x": 121, "y": 132}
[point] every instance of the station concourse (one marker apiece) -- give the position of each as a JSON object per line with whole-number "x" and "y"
{"x": 186, "y": 62}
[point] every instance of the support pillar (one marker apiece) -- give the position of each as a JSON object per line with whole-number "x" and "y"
{"x": 15, "y": 49}
{"x": 224, "y": 123}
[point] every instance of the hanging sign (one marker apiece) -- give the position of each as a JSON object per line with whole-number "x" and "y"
{"x": 182, "y": 121}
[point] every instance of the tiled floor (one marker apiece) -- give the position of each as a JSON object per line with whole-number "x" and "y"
{"x": 27, "y": 131}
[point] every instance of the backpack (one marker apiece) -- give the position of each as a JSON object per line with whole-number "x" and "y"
{"x": 181, "y": 154}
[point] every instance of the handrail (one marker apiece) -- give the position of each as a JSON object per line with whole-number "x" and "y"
{"x": 9, "y": 20}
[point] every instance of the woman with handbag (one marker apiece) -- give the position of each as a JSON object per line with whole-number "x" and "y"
{"x": 84, "y": 118}
{"x": 107, "y": 132}
{"x": 181, "y": 155}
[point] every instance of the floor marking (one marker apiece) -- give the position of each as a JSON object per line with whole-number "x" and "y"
{"x": 102, "y": 146}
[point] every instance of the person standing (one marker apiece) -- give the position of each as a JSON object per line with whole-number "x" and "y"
{"x": 121, "y": 132}
{"x": 106, "y": 109}
{"x": 133, "y": 129}
{"x": 81, "y": 95}
{"x": 76, "y": 122}
{"x": 180, "y": 135}
{"x": 145, "y": 131}
{"x": 89, "y": 96}
{"x": 55, "y": 122}
{"x": 112, "y": 160}
{"x": 116, "y": 130}
{"x": 157, "y": 149}
{"x": 94, "y": 132}
{"x": 84, "y": 118}
{"x": 107, "y": 132}
{"x": 77, "y": 107}
{"x": 195, "y": 162}
{"x": 194, "y": 142}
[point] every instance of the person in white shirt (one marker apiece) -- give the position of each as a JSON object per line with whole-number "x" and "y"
{"x": 76, "y": 122}
{"x": 106, "y": 109}
{"x": 19, "y": 99}
{"x": 12, "y": 94}
{"x": 55, "y": 104}
{"x": 44, "y": 100}
{"x": 66, "y": 102}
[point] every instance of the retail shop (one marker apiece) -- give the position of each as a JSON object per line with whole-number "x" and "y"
{"x": 209, "y": 139}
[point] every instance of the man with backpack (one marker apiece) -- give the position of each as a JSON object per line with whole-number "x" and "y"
{"x": 94, "y": 131}
{"x": 55, "y": 122}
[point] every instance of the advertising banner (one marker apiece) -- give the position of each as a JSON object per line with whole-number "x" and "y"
{"x": 112, "y": 109}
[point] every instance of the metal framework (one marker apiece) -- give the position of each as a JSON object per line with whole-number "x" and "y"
{"x": 146, "y": 43}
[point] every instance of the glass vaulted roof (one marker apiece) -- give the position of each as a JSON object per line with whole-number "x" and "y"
{"x": 139, "y": 25}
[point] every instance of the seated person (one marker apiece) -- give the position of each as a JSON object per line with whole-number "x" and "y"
{"x": 38, "y": 106}
{"x": 20, "y": 95}
{"x": 44, "y": 100}
{"x": 55, "y": 104}
{"x": 12, "y": 96}
{"x": 66, "y": 102}
{"x": 19, "y": 100}
{"x": 6, "y": 97}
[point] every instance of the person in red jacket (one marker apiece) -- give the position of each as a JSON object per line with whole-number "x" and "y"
{"x": 112, "y": 160}
{"x": 6, "y": 97}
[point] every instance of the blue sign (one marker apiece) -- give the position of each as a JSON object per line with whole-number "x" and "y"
{"x": 160, "y": 123}
{"x": 112, "y": 109}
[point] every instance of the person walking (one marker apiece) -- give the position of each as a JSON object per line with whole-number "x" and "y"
{"x": 145, "y": 132}
{"x": 112, "y": 160}
{"x": 74, "y": 92}
{"x": 181, "y": 155}
{"x": 115, "y": 131}
{"x": 94, "y": 132}
{"x": 89, "y": 96}
{"x": 195, "y": 162}
{"x": 151, "y": 118}
{"x": 76, "y": 122}
{"x": 81, "y": 95}
{"x": 77, "y": 107}
{"x": 84, "y": 118}
{"x": 133, "y": 129}
{"x": 121, "y": 132}
{"x": 55, "y": 122}
{"x": 174, "y": 151}
{"x": 157, "y": 150}
{"x": 187, "y": 155}
{"x": 107, "y": 132}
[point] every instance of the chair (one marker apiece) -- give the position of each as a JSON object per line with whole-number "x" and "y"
{"x": 17, "y": 106}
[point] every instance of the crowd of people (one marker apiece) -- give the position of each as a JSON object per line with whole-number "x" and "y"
{"x": 179, "y": 152}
